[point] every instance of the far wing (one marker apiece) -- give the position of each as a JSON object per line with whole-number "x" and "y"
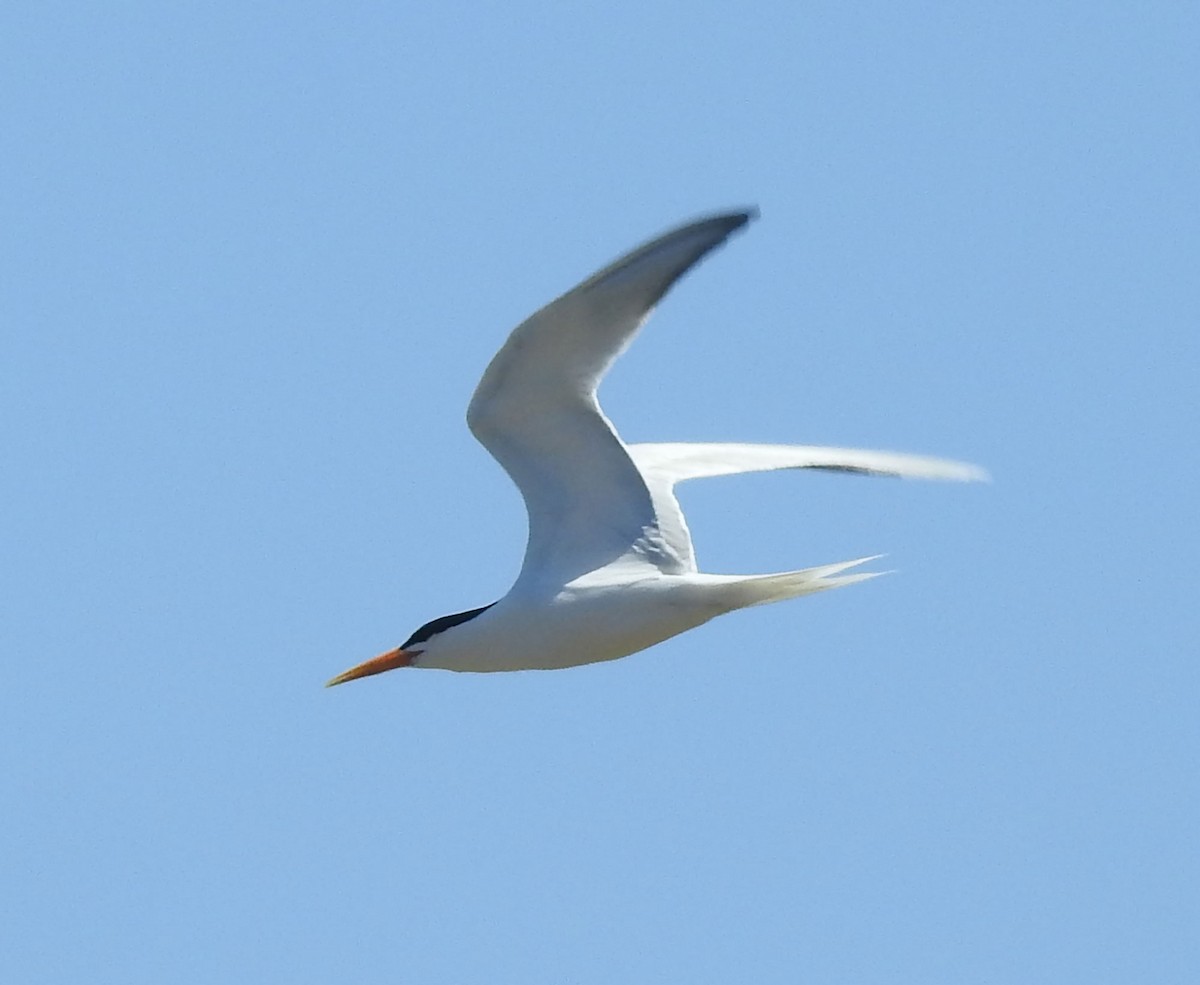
{"x": 665, "y": 465}
{"x": 536, "y": 411}
{"x": 682, "y": 461}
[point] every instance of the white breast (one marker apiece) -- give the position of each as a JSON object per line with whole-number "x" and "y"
{"x": 584, "y": 622}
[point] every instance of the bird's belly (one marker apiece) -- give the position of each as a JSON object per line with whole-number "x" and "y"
{"x": 575, "y": 627}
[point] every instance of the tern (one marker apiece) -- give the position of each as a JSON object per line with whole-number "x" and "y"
{"x": 609, "y": 568}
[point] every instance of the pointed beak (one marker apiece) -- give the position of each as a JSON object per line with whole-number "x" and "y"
{"x": 376, "y": 665}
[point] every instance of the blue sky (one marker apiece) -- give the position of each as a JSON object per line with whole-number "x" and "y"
{"x": 255, "y": 258}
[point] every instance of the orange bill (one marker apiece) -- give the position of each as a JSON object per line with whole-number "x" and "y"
{"x": 376, "y": 665}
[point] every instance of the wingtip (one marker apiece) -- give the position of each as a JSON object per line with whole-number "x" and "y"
{"x": 731, "y": 219}
{"x": 738, "y": 217}
{"x": 975, "y": 473}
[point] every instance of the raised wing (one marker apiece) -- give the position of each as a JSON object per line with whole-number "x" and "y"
{"x": 665, "y": 465}
{"x": 536, "y": 411}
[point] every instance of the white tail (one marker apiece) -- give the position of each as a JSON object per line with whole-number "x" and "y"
{"x": 760, "y": 589}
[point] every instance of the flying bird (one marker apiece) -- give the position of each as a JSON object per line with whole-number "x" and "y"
{"x": 609, "y": 567}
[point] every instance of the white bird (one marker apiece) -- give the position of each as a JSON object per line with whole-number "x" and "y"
{"x": 609, "y": 568}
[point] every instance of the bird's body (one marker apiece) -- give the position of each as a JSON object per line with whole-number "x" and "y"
{"x": 609, "y": 567}
{"x": 587, "y": 621}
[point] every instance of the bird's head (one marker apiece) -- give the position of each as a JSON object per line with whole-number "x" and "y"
{"x": 406, "y": 653}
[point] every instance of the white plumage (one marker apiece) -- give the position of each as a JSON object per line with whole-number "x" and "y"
{"x": 609, "y": 567}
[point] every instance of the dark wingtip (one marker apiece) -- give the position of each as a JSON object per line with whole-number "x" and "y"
{"x": 730, "y": 222}
{"x": 687, "y": 244}
{"x": 735, "y": 218}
